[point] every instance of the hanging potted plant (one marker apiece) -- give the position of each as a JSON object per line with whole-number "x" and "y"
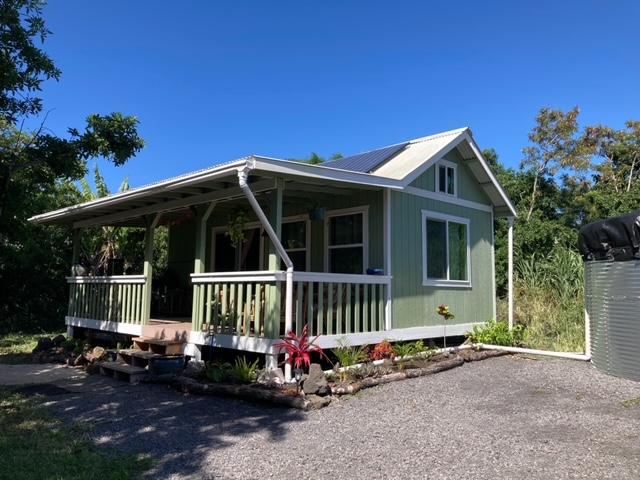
{"x": 236, "y": 226}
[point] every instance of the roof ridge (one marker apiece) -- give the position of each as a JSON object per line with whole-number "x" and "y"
{"x": 439, "y": 135}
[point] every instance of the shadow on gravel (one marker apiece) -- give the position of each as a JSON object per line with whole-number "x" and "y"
{"x": 176, "y": 430}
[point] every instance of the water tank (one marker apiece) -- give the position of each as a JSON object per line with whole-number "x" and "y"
{"x": 611, "y": 251}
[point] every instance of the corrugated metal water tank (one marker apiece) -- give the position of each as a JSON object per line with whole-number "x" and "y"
{"x": 611, "y": 252}
{"x": 612, "y": 300}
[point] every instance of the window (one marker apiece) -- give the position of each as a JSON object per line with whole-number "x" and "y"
{"x": 294, "y": 240}
{"x": 346, "y": 242}
{"x": 445, "y": 248}
{"x": 446, "y": 177}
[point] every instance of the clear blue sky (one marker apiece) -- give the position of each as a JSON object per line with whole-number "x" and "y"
{"x": 214, "y": 81}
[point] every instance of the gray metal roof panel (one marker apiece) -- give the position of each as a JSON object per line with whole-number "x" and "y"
{"x": 367, "y": 161}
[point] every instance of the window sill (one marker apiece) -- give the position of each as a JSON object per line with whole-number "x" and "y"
{"x": 446, "y": 284}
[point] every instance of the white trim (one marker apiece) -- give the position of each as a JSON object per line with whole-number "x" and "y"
{"x": 454, "y": 167}
{"x": 254, "y": 276}
{"x": 447, "y": 199}
{"x": 386, "y": 220}
{"x": 234, "y": 342}
{"x": 116, "y": 327}
{"x": 510, "y": 272}
{"x": 364, "y": 210}
{"x": 395, "y": 335}
{"x": 493, "y": 268}
{"x": 252, "y": 225}
{"x": 128, "y": 279}
{"x": 340, "y": 278}
{"x": 436, "y": 157}
{"x": 426, "y": 281}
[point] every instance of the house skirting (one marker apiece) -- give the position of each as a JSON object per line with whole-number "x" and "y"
{"x": 106, "y": 326}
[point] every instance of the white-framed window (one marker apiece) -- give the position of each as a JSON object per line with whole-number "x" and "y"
{"x": 447, "y": 178}
{"x": 295, "y": 239}
{"x": 346, "y": 240}
{"x": 446, "y": 250}
{"x": 253, "y": 255}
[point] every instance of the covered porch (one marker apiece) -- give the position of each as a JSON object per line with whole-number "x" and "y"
{"x": 315, "y": 252}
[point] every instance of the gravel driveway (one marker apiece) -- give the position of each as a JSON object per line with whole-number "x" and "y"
{"x": 503, "y": 418}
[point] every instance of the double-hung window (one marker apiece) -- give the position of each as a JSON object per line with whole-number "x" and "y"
{"x": 446, "y": 177}
{"x": 346, "y": 242}
{"x": 295, "y": 238}
{"x": 445, "y": 250}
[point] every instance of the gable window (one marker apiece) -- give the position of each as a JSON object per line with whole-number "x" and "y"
{"x": 446, "y": 180}
{"x": 445, "y": 250}
{"x": 346, "y": 242}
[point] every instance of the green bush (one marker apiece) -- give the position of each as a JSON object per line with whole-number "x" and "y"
{"x": 218, "y": 372}
{"x": 497, "y": 333}
{"x": 243, "y": 371}
{"x": 348, "y": 355}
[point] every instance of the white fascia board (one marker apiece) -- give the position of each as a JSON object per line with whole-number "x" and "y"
{"x": 490, "y": 174}
{"x": 105, "y": 326}
{"x": 165, "y": 185}
{"x": 288, "y": 167}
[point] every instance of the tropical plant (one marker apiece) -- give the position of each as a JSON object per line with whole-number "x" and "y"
{"x": 218, "y": 372}
{"x": 299, "y": 348}
{"x": 348, "y": 355}
{"x": 383, "y": 350}
{"x": 405, "y": 349}
{"x": 236, "y": 226}
{"x": 497, "y": 333}
{"x": 243, "y": 371}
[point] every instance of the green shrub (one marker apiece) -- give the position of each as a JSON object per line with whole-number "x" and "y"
{"x": 497, "y": 333}
{"x": 218, "y": 372}
{"x": 243, "y": 371}
{"x": 348, "y": 355}
{"x": 405, "y": 349}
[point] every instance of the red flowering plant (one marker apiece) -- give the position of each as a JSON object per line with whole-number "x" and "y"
{"x": 383, "y": 350}
{"x": 299, "y": 348}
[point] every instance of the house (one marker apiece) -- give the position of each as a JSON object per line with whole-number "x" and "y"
{"x": 364, "y": 248}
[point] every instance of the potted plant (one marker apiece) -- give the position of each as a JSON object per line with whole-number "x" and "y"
{"x": 236, "y": 226}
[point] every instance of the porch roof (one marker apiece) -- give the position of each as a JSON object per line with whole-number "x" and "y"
{"x": 393, "y": 167}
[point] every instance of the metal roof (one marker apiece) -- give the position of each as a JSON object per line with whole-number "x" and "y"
{"x": 368, "y": 161}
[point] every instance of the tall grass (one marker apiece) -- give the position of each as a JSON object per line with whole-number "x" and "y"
{"x": 549, "y": 300}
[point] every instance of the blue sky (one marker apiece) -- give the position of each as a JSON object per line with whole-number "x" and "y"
{"x": 214, "y": 81}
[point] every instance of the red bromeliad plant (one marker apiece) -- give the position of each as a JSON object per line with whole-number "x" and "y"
{"x": 383, "y": 350}
{"x": 299, "y": 349}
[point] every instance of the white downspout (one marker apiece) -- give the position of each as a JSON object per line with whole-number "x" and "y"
{"x": 510, "y": 272}
{"x": 243, "y": 173}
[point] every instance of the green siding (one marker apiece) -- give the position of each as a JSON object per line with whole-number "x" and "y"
{"x": 182, "y": 237}
{"x": 468, "y": 187}
{"x": 414, "y": 304}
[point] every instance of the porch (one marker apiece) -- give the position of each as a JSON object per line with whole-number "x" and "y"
{"x": 291, "y": 269}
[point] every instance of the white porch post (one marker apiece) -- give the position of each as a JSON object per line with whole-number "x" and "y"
{"x": 388, "y": 320}
{"x": 510, "y": 272}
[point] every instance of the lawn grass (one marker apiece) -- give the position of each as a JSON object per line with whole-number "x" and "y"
{"x": 16, "y": 347}
{"x": 35, "y": 445}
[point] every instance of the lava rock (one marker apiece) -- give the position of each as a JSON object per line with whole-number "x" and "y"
{"x": 316, "y": 383}
{"x": 43, "y": 345}
{"x": 58, "y": 340}
{"x": 273, "y": 377}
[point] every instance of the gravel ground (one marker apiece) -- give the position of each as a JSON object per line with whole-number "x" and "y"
{"x": 503, "y": 418}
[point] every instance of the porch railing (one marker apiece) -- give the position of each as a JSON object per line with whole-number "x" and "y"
{"x": 116, "y": 298}
{"x": 253, "y": 303}
{"x": 337, "y": 304}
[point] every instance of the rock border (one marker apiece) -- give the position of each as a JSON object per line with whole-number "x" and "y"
{"x": 256, "y": 393}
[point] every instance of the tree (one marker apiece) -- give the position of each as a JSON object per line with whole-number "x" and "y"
{"x": 555, "y": 147}
{"x": 38, "y": 171}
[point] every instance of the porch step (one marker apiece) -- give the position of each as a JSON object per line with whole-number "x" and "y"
{"x": 137, "y": 357}
{"x": 167, "y": 331}
{"x": 159, "y": 346}
{"x": 122, "y": 371}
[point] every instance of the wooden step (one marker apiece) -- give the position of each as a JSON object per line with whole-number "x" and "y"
{"x": 159, "y": 346}
{"x": 122, "y": 371}
{"x": 137, "y": 357}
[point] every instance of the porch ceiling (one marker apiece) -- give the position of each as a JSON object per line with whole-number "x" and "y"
{"x": 175, "y": 198}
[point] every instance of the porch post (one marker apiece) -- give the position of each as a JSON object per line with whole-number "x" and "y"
{"x": 388, "y": 319}
{"x": 75, "y": 256}
{"x": 151, "y": 224}
{"x": 272, "y": 324}
{"x": 510, "y": 272}
{"x": 202, "y": 216}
